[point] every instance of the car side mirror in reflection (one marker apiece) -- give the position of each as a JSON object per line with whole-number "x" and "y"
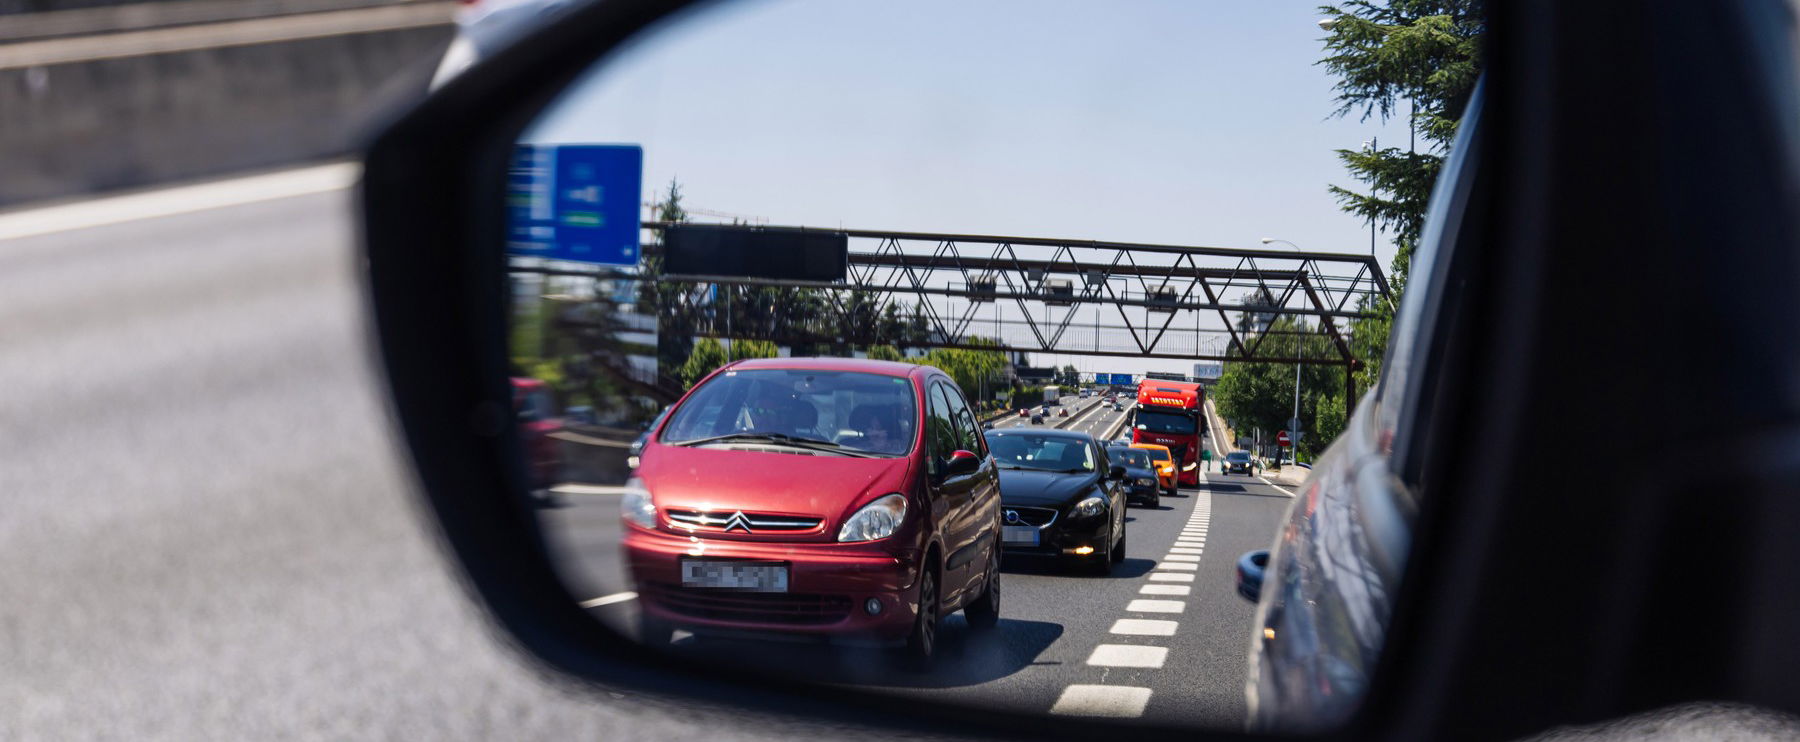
{"x": 962, "y": 463}
{"x": 1117, "y": 472}
{"x": 1250, "y": 569}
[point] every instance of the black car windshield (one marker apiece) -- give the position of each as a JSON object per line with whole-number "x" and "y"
{"x": 850, "y": 410}
{"x": 1051, "y": 453}
{"x": 1165, "y": 422}
{"x": 1132, "y": 457}
{"x": 1237, "y": 456}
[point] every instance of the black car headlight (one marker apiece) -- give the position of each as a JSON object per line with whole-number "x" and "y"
{"x": 1089, "y": 507}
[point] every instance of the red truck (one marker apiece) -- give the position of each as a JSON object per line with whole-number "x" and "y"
{"x": 1168, "y": 413}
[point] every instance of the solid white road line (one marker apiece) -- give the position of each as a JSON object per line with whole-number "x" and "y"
{"x": 1145, "y": 605}
{"x": 1171, "y": 577}
{"x": 1128, "y": 655}
{"x": 1288, "y": 492}
{"x": 1112, "y": 701}
{"x": 177, "y": 200}
{"x": 572, "y": 488}
{"x": 1144, "y": 627}
{"x": 609, "y": 599}
{"x": 1164, "y": 590}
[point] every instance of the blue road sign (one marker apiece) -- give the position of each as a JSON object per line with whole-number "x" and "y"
{"x": 1117, "y": 379}
{"x": 576, "y": 202}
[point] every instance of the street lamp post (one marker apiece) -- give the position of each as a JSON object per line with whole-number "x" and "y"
{"x": 1294, "y": 424}
{"x": 1370, "y": 147}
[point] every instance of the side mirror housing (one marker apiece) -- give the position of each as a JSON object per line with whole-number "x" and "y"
{"x": 962, "y": 463}
{"x": 1250, "y": 568}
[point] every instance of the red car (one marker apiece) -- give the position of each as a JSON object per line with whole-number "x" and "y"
{"x": 532, "y": 409}
{"x": 843, "y": 499}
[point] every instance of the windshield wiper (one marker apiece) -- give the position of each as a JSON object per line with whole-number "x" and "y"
{"x": 781, "y": 438}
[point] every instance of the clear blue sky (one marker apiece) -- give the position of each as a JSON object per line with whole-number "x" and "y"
{"x": 1194, "y": 123}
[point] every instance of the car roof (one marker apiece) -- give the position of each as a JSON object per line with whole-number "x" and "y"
{"x": 1051, "y": 432}
{"x": 1151, "y": 446}
{"x": 864, "y": 365}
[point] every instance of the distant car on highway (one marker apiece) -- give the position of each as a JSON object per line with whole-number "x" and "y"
{"x": 1037, "y": 418}
{"x": 1024, "y": 412}
{"x": 1060, "y": 497}
{"x": 860, "y": 489}
{"x": 1062, "y": 412}
{"x": 1238, "y": 462}
{"x": 1118, "y": 407}
{"x": 531, "y": 408}
{"x": 1141, "y": 482}
{"x": 637, "y": 446}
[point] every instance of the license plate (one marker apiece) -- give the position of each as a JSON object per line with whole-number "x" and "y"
{"x": 749, "y": 577}
{"x": 1019, "y": 535}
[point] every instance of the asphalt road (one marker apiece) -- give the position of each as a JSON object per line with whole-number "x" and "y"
{"x": 1066, "y": 643}
{"x": 210, "y": 531}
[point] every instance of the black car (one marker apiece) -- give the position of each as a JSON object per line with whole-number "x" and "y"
{"x": 1060, "y": 497}
{"x": 1140, "y": 476}
{"x": 637, "y": 446}
{"x": 1037, "y": 418}
{"x": 1238, "y": 462}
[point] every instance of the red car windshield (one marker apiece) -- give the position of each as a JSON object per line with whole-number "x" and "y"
{"x": 858, "y": 411}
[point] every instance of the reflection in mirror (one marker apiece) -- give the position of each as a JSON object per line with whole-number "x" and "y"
{"x": 881, "y": 350}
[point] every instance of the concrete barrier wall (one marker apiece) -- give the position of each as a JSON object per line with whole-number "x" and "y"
{"x": 105, "y": 124}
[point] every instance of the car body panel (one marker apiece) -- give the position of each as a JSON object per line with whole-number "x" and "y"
{"x": 828, "y": 581}
{"x": 1029, "y": 493}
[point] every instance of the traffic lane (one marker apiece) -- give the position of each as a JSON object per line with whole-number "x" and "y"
{"x": 1207, "y": 668}
{"x": 1053, "y": 623}
{"x": 1070, "y": 403}
{"x": 584, "y": 532}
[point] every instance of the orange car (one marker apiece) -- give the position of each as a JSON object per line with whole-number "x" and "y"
{"x": 1165, "y": 464}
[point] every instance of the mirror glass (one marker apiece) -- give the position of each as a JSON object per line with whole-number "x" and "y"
{"x": 773, "y": 263}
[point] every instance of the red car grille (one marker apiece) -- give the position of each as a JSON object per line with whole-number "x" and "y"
{"x": 728, "y": 521}
{"x": 770, "y": 608}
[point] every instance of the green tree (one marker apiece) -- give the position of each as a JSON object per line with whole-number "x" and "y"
{"x": 1426, "y": 53}
{"x": 1261, "y": 395}
{"x": 707, "y": 356}
{"x": 676, "y": 324}
{"x": 885, "y": 353}
{"x": 742, "y": 349}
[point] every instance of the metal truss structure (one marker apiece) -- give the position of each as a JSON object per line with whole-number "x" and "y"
{"x": 1028, "y": 295}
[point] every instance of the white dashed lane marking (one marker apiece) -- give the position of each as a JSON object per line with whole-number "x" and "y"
{"x": 1177, "y": 567}
{"x": 1144, "y": 626}
{"x": 1128, "y": 655}
{"x": 1102, "y": 700}
{"x": 1145, "y": 605}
